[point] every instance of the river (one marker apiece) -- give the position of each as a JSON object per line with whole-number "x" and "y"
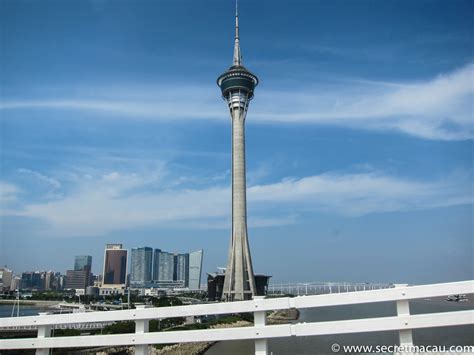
{"x": 6, "y": 310}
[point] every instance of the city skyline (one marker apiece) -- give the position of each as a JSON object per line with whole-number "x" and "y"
{"x": 143, "y": 271}
{"x": 113, "y": 131}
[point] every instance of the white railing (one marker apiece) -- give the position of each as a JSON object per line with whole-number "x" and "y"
{"x": 316, "y": 288}
{"x": 260, "y": 332}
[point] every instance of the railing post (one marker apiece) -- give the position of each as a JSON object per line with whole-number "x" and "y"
{"x": 403, "y": 309}
{"x": 260, "y": 319}
{"x": 44, "y": 331}
{"x": 141, "y": 326}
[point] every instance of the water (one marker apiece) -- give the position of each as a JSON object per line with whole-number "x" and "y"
{"x": 6, "y": 310}
{"x": 459, "y": 335}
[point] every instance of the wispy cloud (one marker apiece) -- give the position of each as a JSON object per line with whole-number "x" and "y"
{"x": 359, "y": 194}
{"x": 440, "y": 108}
{"x": 8, "y": 193}
{"x": 159, "y": 102}
{"x": 53, "y": 183}
{"x": 119, "y": 201}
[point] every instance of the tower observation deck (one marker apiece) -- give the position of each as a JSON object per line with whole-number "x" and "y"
{"x": 237, "y": 85}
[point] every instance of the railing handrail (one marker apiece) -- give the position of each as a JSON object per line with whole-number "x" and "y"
{"x": 332, "y": 283}
{"x": 370, "y": 296}
{"x": 256, "y": 332}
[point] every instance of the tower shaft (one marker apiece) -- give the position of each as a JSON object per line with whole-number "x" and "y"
{"x": 237, "y": 86}
{"x": 239, "y": 282}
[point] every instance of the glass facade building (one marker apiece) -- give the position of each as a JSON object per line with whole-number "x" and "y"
{"x": 81, "y": 262}
{"x": 32, "y": 280}
{"x": 181, "y": 268}
{"x": 81, "y": 276}
{"x": 115, "y": 265}
{"x": 141, "y": 264}
{"x": 164, "y": 266}
{"x": 195, "y": 267}
{"x": 162, "y": 269}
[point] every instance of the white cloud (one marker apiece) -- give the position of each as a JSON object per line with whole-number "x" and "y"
{"x": 100, "y": 205}
{"x": 224, "y": 222}
{"x": 440, "y": 108}
{"x": 114, "y": 176}
{"x": 165, "y": 104}
{"x": 8, "y": 193}
{"x": 359, "y": 194}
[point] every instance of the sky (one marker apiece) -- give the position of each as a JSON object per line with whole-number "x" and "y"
{"x": 359, "y": 139}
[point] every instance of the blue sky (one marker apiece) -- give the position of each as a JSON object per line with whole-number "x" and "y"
{"x": 359, "y": 139}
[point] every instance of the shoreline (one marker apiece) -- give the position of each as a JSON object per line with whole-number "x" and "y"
{"x": 276, "y": 317}
{"x": 29, "y": 302}
{"x": 201, "y": 348}
{"x": 283, "y": 316}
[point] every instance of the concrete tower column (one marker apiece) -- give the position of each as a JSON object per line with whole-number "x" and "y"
{"x": 237, "y": 85}
{"x": 239, "y": 282}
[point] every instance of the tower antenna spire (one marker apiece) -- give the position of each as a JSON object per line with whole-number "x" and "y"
{"x": 237, "y": 54}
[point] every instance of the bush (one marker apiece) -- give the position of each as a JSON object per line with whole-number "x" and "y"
{"x": 66, "y": 332}
{"x": 120, "y": 328}
{"x": 165, "y": 301}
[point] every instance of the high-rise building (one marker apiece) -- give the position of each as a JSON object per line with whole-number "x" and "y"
{"x": 195, "y": 266}
{"x": 81, "y": 277}
{"x": 77, "y": 279}
{"x": 49, "y": 281}
{"x": 115, "y": 266}
{"x": 81, "y": 262}
{"x": 55, "y": 281}
{"x": 164, "y": 266}
{"x": 156, "y": 264}
{"x": 141, "y": 265}
{"x": 16, "y": 283}
{"x": 32, "y": 280}
{"x": 237, "y": 86}
{"x": 172, "y": 270}
{"x": 26, "y": 280}
{"x": 181, "y": 268}
{"x": 61, "y": 281}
